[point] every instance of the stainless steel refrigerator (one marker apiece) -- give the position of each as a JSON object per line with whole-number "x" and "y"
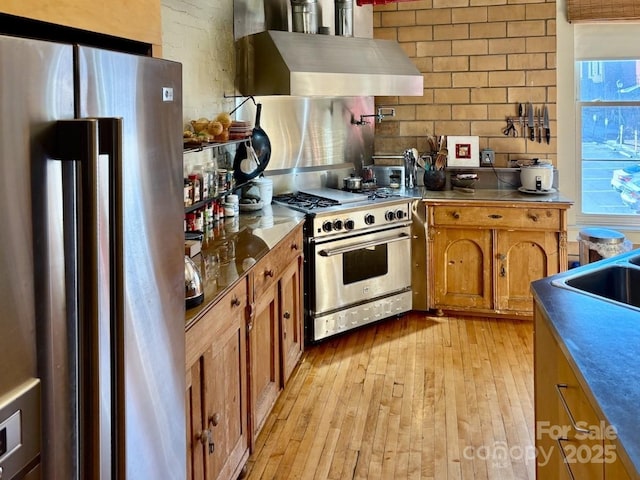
{"x": 92, "y": 381}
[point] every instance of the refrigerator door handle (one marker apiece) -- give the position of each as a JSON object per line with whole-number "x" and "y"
{"x": 94, "y": 146}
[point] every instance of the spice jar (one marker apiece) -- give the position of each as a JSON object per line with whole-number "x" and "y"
{"x": 233, "y": 206}
{"x": 188, "y": 192}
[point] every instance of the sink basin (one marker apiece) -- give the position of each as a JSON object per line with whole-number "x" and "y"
{"x": 635, "y": 260}
{"x": 615, "y": 283}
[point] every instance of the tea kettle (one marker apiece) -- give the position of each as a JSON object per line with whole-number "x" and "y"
{"x": 193, "y": 288}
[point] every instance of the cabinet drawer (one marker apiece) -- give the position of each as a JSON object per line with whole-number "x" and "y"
{"x": 221, "y": 317}
{"x": 270, "y": 268}
{"x": 497, "y": 217}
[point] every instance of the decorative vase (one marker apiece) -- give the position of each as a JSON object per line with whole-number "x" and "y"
{"x": 435, "y": 179}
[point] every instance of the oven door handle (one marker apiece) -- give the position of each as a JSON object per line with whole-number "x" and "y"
{"x": 360, "y": 246}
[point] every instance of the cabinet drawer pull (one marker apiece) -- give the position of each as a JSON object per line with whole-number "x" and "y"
{"x": 287, "y": 315}
{"x": 235, "y": 301}
{"x": 294, "y": 246}
{"x": 565, "y": 460}
{"x": 568, "y": 411}
{"x": 455, "y": 215}
{"x": 533, "y": 217}
{"x": 495, "y": 216}
{"x": 268, "y": 273}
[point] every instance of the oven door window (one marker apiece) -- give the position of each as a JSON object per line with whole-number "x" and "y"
{"x": 365, "y": 263}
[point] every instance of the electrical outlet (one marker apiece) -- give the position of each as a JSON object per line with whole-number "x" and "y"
{"x": 487, "y": 157}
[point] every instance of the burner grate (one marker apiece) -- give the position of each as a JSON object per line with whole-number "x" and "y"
{"x": 306, "y": 201}
{"x": 374, "y": 193}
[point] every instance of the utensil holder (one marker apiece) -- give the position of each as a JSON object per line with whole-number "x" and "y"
{"x": 435, "y": 179}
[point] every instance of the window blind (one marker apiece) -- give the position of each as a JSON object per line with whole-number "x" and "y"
{"x": 596, "y": 10}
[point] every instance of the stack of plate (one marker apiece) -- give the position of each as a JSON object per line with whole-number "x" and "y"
{"x": 240, "y": 129}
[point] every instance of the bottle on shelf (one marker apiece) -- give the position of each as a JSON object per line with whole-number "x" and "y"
{"x": 195, "y": 180}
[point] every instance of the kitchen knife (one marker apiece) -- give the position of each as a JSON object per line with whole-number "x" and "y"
{"x": 532, "y": 127}
{"x": 545, "y": 124}
{"x": 521, "y": 119}
{"x": 539, "y": 120}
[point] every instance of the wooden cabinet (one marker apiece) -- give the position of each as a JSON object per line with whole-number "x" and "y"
{"x": 239, "y": 355}
{"x": 462, "y": 268}
{"x": 482, "y": 256}
{"x": 264, "y": 357}
{"x": 275, "y": 327}
{"x": 217, "y": 417}
{"x": 572, "y": 440}
{"x": 291, "y": 324}
{"x": 139, "y": 21}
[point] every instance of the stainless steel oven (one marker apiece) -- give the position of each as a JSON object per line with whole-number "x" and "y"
{"x": 357, "y": 262}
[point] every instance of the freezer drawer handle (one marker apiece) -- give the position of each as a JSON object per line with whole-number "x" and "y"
{"x": 360, "y": 246}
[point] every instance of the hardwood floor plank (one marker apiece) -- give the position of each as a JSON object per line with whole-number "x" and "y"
{"x": 418, "y": 397}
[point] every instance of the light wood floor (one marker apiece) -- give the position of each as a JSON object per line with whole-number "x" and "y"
{"x": 415, "y": 397}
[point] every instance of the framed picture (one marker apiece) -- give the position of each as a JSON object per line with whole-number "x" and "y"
{"x": 463, "y": 151}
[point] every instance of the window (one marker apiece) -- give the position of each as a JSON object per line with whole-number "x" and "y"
{"x": 606, "y": 100}
{"x": 608, "y": 112}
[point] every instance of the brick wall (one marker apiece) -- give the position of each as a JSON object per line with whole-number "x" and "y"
{"x": 199, "y": 34}
{"x": 480, "y": 58}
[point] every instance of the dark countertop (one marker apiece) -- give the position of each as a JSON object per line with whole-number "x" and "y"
{"x": 602, "y": 342}
{"x": 234, "y": 245}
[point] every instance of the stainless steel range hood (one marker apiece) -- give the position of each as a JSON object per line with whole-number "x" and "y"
{"x": 286, "y": 63}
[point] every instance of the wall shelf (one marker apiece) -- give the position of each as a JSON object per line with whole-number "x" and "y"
{"x": 206, "y": 145}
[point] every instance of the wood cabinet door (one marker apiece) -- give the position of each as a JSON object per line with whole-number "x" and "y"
{"x": 583, "y": 451}
{"x": 264, "y": 351}
{"x": 562, "y": 407}
{"x": 614, "y": 469}
{"x": 195, "y": 414}
{"x": 291, "y": 331}
{"x": 217, "y": 399}
{"x": 225, "y": 401}
{"x": 520, "y": 258}
{"x": 549, "y": 464}
{"x": 462, "y": 268}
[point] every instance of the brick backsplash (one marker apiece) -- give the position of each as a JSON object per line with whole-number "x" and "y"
{"x": 479, "y": 58}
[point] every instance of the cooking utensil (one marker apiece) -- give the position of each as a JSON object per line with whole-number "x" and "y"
{"x": 193, "y": 288}
{"x": 532, "y": 134}
{"x": 260, "y": 143}
{"x": 352, "y": 183}
{"x": 539, "y": 129}
{"x": 545, "y": 124}
{"x": 410, "y": 170}
{"x": 251, "y": 162}
{"x": 521, "y": 119}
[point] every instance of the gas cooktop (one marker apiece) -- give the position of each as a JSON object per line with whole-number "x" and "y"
{"x": 330, "y": 199}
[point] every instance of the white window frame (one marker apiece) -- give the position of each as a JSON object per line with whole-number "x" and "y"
{"x": 608, "y": 40}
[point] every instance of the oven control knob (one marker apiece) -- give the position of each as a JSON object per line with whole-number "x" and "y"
{"x": 400, "y": 214}
{"x": 390, "y": 215}
{"x": 327, "y": 226}
{"x": 349, "y": 224}
{"x": 337, "y": 224}
{"x": 369, "y": 219}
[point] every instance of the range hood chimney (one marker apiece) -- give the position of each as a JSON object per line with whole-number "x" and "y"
{"x": 277, "y": 62}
